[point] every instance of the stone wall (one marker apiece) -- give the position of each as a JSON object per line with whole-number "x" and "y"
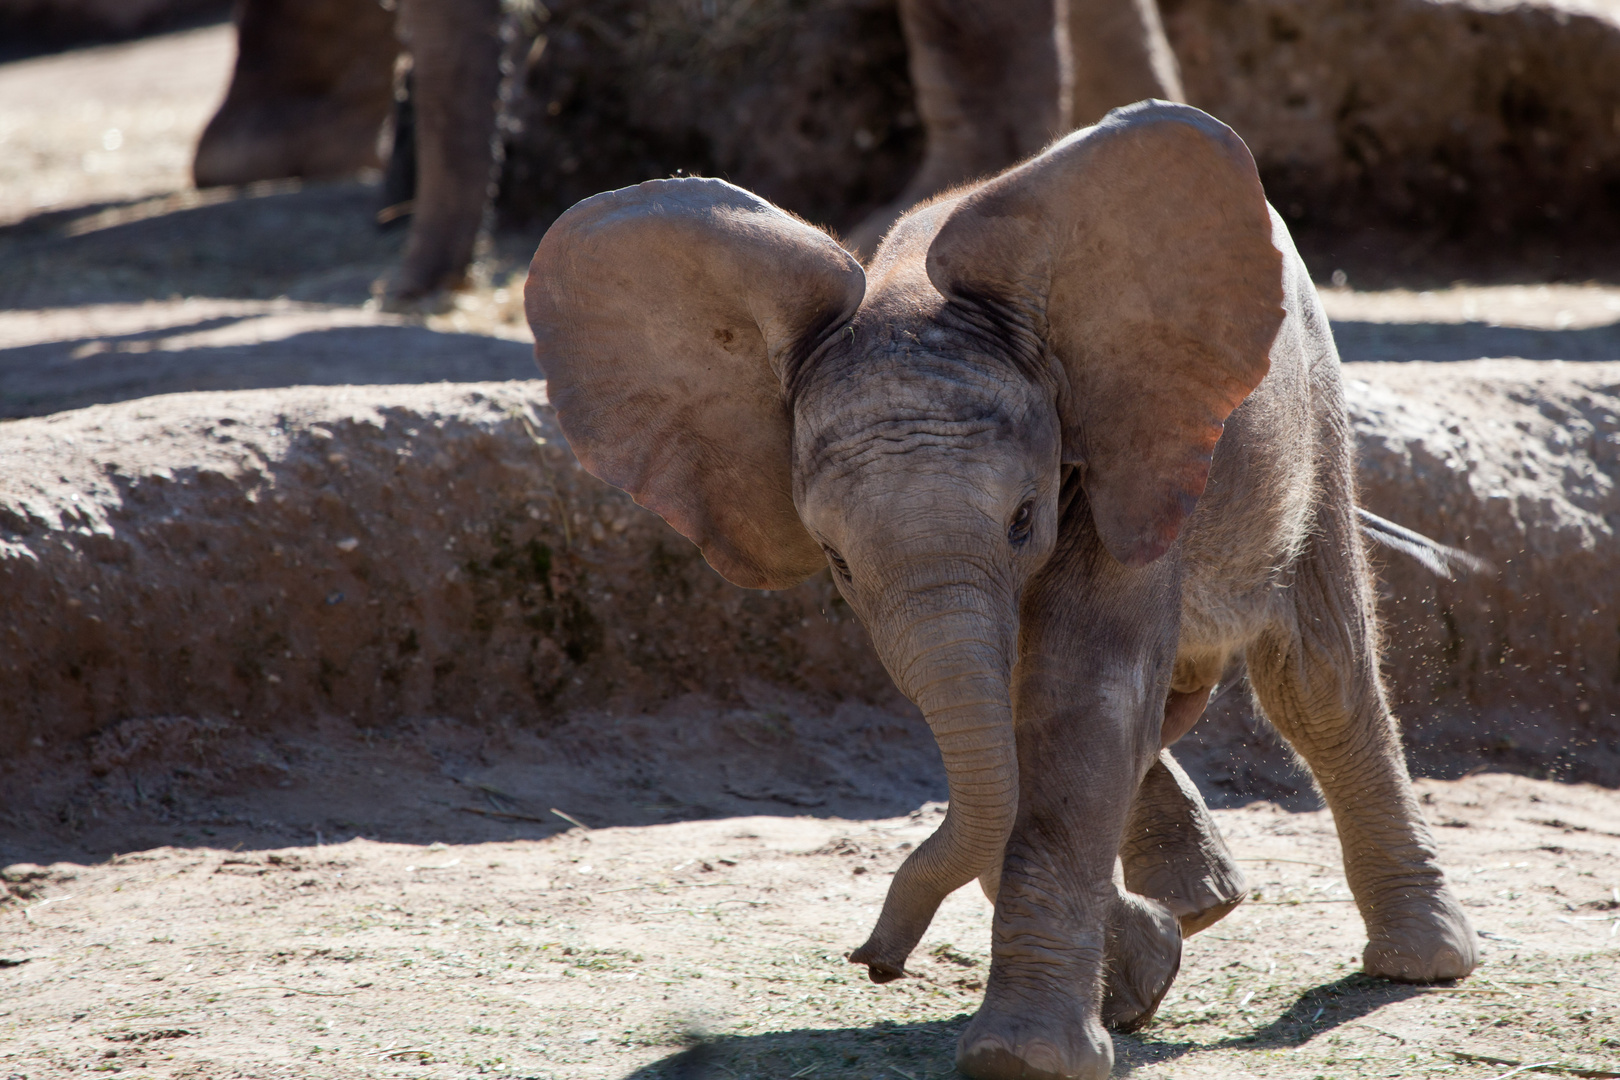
{"x": 1456, "y": 114}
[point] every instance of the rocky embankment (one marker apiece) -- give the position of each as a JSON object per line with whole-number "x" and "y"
{"x": 375, "y": 553}
{"x": 1518, "y": 462}
{"x": 1464, "y": 114}
{"x": 1475, "y": 116}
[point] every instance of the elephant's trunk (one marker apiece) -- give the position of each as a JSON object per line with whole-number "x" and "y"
{"x": 961, "y": 684}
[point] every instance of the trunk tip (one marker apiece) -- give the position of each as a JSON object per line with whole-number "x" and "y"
{"x": 878, "y": 969}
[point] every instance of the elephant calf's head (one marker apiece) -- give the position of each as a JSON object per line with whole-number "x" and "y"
{"x": 1096, "y": 312}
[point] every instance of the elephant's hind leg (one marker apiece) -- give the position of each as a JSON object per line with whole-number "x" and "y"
{"x": 1178, "y": 879}
{"x": 1316, "y": 677}
{"x": 1173, "y": 853}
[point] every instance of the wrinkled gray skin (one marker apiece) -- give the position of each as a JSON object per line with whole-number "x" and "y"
{"x": 996, "y": 82}
{"x": 311, "y": 86}
{"x": 455, "y": 50}
{"x": 1073, "y": 441}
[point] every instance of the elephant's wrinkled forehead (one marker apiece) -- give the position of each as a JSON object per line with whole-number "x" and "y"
{"x": 898, "y": 393}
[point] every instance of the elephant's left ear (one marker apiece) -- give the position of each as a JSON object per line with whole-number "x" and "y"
{"x": 1140, "y": 252}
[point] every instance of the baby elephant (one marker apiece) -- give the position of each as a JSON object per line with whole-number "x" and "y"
{"x": 1071, "y": 442}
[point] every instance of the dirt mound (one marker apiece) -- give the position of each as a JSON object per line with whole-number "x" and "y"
{"x": 376, "y": 553}
{"x": 1519, "y": 462}
{"x": 1463, "y": 114}
{"x": 364, "y": 553}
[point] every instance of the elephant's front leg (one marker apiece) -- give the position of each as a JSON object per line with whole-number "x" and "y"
{"x": 1089, "y": 700}
{"x": 456, "y": 52}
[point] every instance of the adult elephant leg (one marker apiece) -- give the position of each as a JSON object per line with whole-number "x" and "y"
{"x": 1097, "y": 644}
{"x": 1316, "y": 677}
{"x": 1120, "y": 55}
{"x": 455, "y": 48}
{"x": 990, "y": 81}
{"x": 311, "y": 87}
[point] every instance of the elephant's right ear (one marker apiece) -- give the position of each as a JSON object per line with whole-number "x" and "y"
{"x": 663, "y": 315}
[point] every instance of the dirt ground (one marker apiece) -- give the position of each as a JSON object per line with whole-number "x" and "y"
{"x": 410, "y": 902}
{"x": 519, "y": 946}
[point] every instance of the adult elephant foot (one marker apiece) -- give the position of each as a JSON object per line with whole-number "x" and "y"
{"x": 1144, "y": 954}
{"x": 312, "y": 85}
{"x": 1424, "y": 938}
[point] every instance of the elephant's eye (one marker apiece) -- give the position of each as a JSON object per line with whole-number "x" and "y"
{"x": 1023, "y": 522}
{"x": 838, "y": 562}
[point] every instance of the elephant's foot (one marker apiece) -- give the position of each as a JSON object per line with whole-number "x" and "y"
{"x": 1144, "y": 954}
{"x": 1206, "y": 917}
{"x": 403, "y": 296}
{"x": 431, "y": 273}
{"x": 1048, "y": 1040}
{"x": 1422, "y": 938}
{"x": 1173, "y": 853}
{"x": 268, "y": 141}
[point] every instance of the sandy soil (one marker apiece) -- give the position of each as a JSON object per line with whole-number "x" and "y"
{"x": 73, "y": 133}
{"x": 716, "y": 948}
{"x": 408, "y": 903}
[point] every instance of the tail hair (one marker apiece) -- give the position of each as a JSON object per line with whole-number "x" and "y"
{"x": 1439, "y": 559}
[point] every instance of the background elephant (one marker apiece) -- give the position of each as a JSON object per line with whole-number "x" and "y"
{"x": 997, "y": 82}
{"x": 313, "y": 81}
{"x": 1071, "y": 442}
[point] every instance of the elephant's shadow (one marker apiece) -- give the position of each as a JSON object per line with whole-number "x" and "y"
{"x": 926, "y": 1051}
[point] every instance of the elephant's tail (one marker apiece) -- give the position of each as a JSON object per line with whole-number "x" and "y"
{"x": 1441, "y": 560}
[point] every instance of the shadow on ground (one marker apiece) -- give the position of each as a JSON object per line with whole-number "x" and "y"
{"x": 175, "y": 781}
{"x": 1471, "y": 341}
{"x": 295, "y": 265}
{"x": 246, "y": 353}
{"x": 179, "y": 781}
{"x": 313, "y": 242}
{"x": 928, "y": 1050}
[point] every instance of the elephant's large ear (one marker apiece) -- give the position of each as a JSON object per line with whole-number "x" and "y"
{"x": 663, "y": 316}
{"x": 1140, "y": 252}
